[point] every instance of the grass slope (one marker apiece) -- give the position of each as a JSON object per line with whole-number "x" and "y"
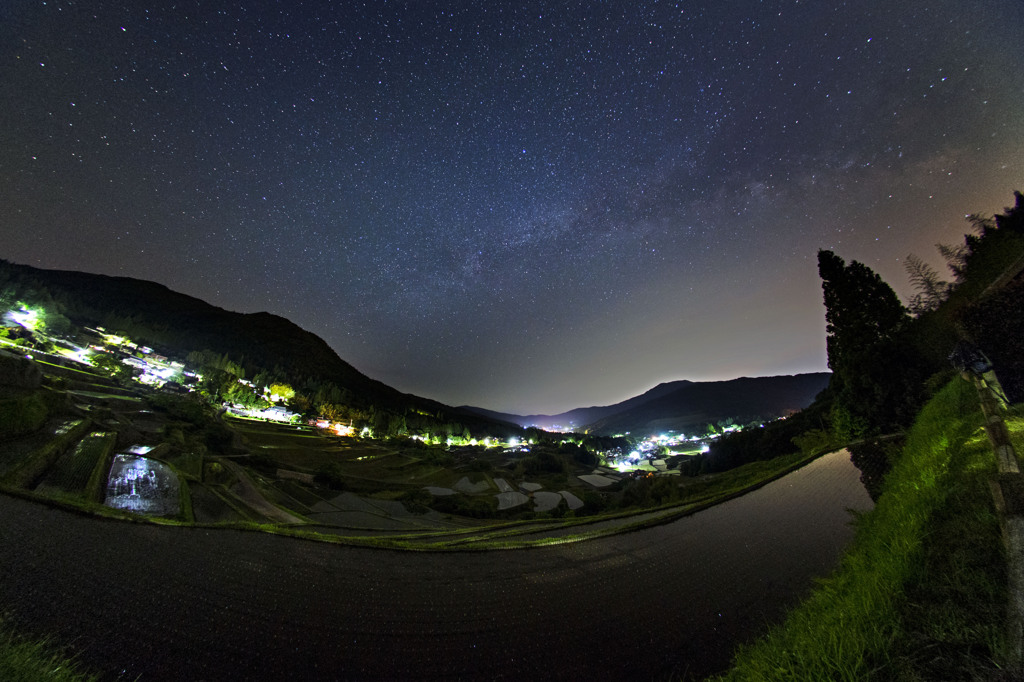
{"x": 27, "y": 660}
{"x": 920, "y": 594}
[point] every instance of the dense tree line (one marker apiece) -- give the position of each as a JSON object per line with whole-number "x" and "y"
{"x": 885, "y": 358}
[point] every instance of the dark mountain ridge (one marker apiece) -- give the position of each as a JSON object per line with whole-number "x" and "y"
{"x": 683, "y": 405}
{"x": 176, "y": 323}
{"x": 693, "y": 405}
{"x": 580, "y": 416}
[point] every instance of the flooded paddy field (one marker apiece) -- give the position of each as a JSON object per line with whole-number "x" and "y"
{"x": 200, "y": 603}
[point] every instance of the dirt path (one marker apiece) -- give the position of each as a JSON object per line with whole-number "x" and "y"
{"x": 246, "y": 491}
{"x": 190, "y": 603}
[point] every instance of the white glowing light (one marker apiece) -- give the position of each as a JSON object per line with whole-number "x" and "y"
{"x": 142, "y": 485}
{"x": 27, "y": 318}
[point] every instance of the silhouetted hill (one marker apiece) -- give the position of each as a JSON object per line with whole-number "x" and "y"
{"x": 692, "y": 405}
{"x": 176, "y": 324}
{"x": 579, "y": 416}
{"x": 684, "y": 405}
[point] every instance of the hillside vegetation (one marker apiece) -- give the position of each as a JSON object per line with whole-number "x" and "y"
{"x": 922, "y": 593}
{"x": 246, "y": 345}
{"x": 886, "y": 359}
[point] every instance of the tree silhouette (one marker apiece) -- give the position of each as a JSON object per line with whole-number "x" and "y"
{"x": 860, "y": 309}
{"x": 876, "y": 377}
{"x": 931, "y": 290}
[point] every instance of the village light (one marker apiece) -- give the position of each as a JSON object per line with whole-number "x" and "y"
{"x": 26, "y": 317}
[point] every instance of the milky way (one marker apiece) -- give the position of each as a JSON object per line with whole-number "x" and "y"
{"x": 525, "y": 207}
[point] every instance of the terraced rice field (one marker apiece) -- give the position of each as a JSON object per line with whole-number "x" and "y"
{"x": 370, "y": 466}
{"x": 199, "y": 603}
{"x": 71, "y": 472}
{"x": 302, "y": 448}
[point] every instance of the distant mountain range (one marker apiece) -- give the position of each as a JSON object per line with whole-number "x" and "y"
{"x": 684, "y": 406}
{"x": 175, "y": 323}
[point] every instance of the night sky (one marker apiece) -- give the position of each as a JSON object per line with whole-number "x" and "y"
{"x": 527, "y": 207}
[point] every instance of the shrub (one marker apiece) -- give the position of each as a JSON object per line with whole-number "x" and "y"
{"x": 480, "y": 465}
{"x": 21, "y": 414}
{"x": 263, "y": 462}
{"x": 217, "y": 437}
{"x": 438, "y": 458}
{"x": 542, "y": 462}
{"x": 464, "y": 505}
{"x": 180, "y": 408}
{"x": 331, "y": 475}
{"x": 996, "y": 324}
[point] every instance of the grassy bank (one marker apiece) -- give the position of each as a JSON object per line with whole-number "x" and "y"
{"x": 920, "y": 594}
{"x": 25, "y": 660}
{"x": 747, "y": 477}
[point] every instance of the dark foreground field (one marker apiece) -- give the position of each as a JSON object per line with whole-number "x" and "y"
{"x": 190, "y": 603}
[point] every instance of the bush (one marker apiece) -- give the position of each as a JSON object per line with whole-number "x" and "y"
{"x": 593, "y": 502}
{"x": 21, "y": 414}
{"x": 417, "y": 500}
{"x": 579, "y": 453}
{"x": 180, "y": 408}
{"x": 331, "y": 475}
{"x": 996, "y": 323}
{"x": 263, "y": 462}
{"x": 438, "y": 458}
{"x": 215, "y": 473}
{"x": 217, "y": 437}
{"x": 664, "y": 489}
{"x": 541, "y": 463}
{"x": 464, "y": 505}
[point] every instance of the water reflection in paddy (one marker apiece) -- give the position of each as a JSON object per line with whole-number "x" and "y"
{"x": 670, "y": 602}
{"x": 142, "y": 485}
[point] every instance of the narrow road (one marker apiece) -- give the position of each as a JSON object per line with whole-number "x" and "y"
{"x": 201, "y": 604}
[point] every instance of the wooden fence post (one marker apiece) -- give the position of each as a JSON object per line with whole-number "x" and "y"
{"x": 1008, "y": 493}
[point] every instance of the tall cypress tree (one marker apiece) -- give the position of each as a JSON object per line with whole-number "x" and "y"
{"x": 860, "y": 308}
{"x": 875, "y": 378}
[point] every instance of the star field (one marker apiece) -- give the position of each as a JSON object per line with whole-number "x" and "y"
{"x": 524, "y": 207}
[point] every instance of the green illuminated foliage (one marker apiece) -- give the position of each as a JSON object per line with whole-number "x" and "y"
{"x": 281, "y": 391}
